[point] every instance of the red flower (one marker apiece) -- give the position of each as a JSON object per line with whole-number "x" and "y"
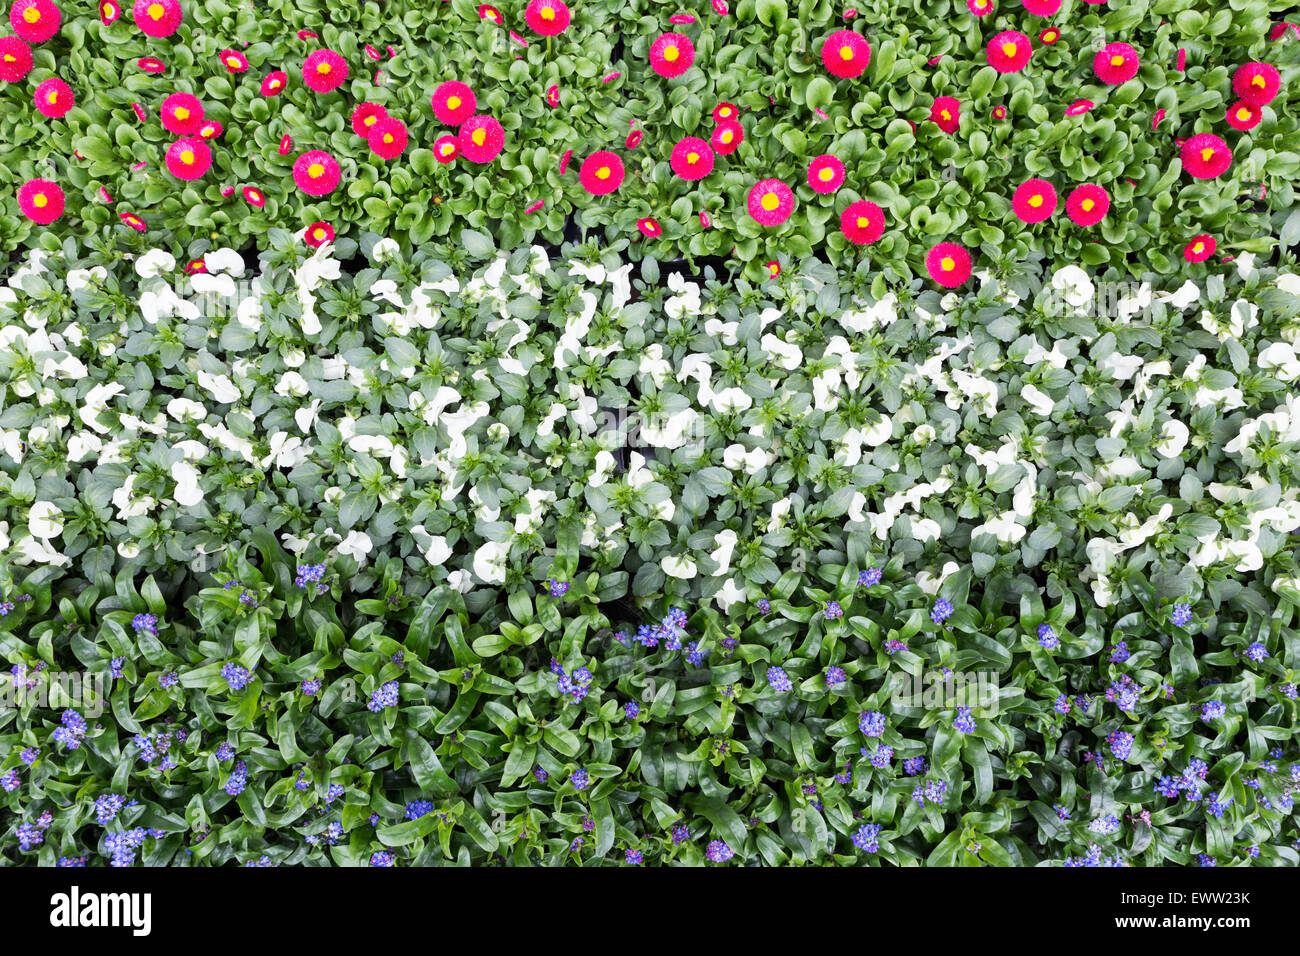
{"x": 825, "y": 174}
{"x": 1256, "y": 83}
{"x": 948, "y": 264}
{"x": 720, "y": 7}
{"x": 318, "y": 233}
{"x": 132, "y": 220}
{"x": 999, "y": 112}
{"x": 649, "y": 227}
{"x": 601, "y": 173}
{"x": 773, "y": 268}
{"x": 1008, "y": 52}
{"x": 1241, "y": 115}
{"x": 324, "y": 70}
{"x": 196, "y": 267}
{"x": 188, "y": 158}
{"x": 286, "y": 144}
{"x": 182, "y": 114}
{"x": 1049, "y": 36}
{"x": 54, "y": 98}
{"x": 705, "y": 221}
{"x": 254, "y": 197}
{"x": 388, "y": 138}
{"x": 109, "y": 12}
{"x": 41, "y": 201}
{"x": 1157, "y": 117}
{"x": 553, "y": 95}
{"x": 534, "y": 207}
{"x": 453, "y": 103}
{"x": 725, "y": 112}
{"x": 15, "y": 59}
{"x": 481, "y": 139}
{"x": 564, "y": 161}
{"x": 1182, "y": 60}
{"x": 1034, "y": 200}
{"x": 1042, "y": 8}
{"x": 151, "y": 65}
{"x": 846, "y": 54}
{"x": 547, "y": 17}
{"x": 306, "y": 35}
{"x": 316, "y": 173}
{"x": 211, "y": 129}
{"x": 726, "y": 138}
{"x": 1205, "y": 156}
{"x": 486, "y": 12}
{"x": 692, "y": 158}
{"x": 1115, "y": 63}
{"x": 770, "y": 202}
{"x": 140, "y": 114}
{"x": 445, "y": 149}
{"x": 671, "y": 55}
{"x": 35, "y": 20}
{"x": 945, "y": 112}
{"x": 364, "y": 118}
{"x": 227, "y": 192}
{"x": 1087, "y": 205}
{"x": 274, "y": 83}
{"x": 633, "y": 139}
{"x": 981, "y": 8}
{"x": 157, "y": 18}
{"x": 1200, "y": 248}
{"x": 234, "y": 61}
{"x": 1079, "y": 107}
{"x": 863, "y": 222}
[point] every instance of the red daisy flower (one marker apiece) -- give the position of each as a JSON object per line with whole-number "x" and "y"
{"x": 196, "y": 267}
{"x": 825, "y": 174}
{"x": 132, "y": 220}
{"x": 672, "y": 54}
{"x": 140, "y": 114}
{"x": 274, "y": 83}
{"x": 726, "y": 138}
{"x": 306, "y": 35}
{"x": 445, "y": 149}
{"x": 547, "y": 17}
{"x": 534, "y": 207}
{"x": 725, "y": 112}
{"x": 1008, "y": 52}
{"x": 182, "y": 114}
{"x": 1256, "y": 83}
{"x": 151, "y": 65}
{"x": 720, "y": 7}
{"x": 211, "y": 129}
{"x": 564, "y": 161}
{"x": 1115, "y": 63}
{"x": 1157, "y": 117}
{"x": 109, "y": 12}
{"x": 1205, "y": 156}
{"x": 254, "y": 197}
{"x": 705, "y": 221}
{"x": 1049, "y": 36}
{"x": 1034, "y": 200}
{"x": 981, "y": 8}
{"x": 234, "y": 61}
{"x": 481, "y": 139}
{"x": 633, "y": 139}
{"x": 999, "y": 112}
{"x": 692, "y": 158}
{"x": 324, "y": 70}
{"x": 316, "y": 173}
{"x": 649, "y": 227}
{"x": 157, "y": 18}
{"x": 1241, "y": 115}
{"x": 486, "y": 12}
{"x": 188, "y": 158}
{"x": 846, "y": 54}
{"x": 364, "y": 118}
{"x": 1087, "y": 205}
{"x": 681, "y": 18}
{"x": 227, "y": 192}
{"x": 388, "y": 138}
{"x": 770, "y": 202}
{"x": 601, "y": 173}
{"x": 948, "y": 264}
{"x": 1042, "y": 8}
{"x": 318, "y": 233}
{"x": 41, "y": 201}
{"x": 54, "y": 98}
{"x": 286, "y": 144}
{"x": 1200, "y": 248}
{"x": 772, "y": 266}
{"x": 1079, "y": 107}
{"x": 35, "y": 20}
{"x": 553, "y": 95}
{"x": 453, "y": 103}
{"x": 946, "y": 113}
{"x": 863, "y": 222}
{"x": 15, "y": 59}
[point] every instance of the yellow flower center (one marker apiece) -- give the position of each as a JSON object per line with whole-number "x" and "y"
{"x": 315, "y": 170}
{"x": 187, "y": 157}
{"x": 39, "y": 201}
{"x": 1035, "y": 201}
{"x": 827, "y": 174}
{"x": 479, "y": 136}
{"x": 319, "y": 234}
{"x": 453, "y": 102}
{"x": 1207, "y": 154}
{"x": 52, "y": 98}
{"x": 1008, "y": 49}
{"x": 1243, "y": 114}
{"x": 1200, "y": 246}
{"x": 670, "y": 53}
{"x": 726, "y": 136}
{"x": 863, "y": 222}
{"x": 9, "y": 58}
{"x": 447, "y": 149}
{"x": 1049, "y": 36}
{"x": 156, "y": 11}
{"x": 232, "y": 61}
{"x": 724, "y": 113}
{"x": 945, "y": 114}
{"x": 1258, "y": 81}
{"x": 370, "y": 120}
{"x": 1117, "y": 61}
{"x": 548, "y": 13}
{"x": 846, "y": 52}
{"x": 32, "y": 15}
{"x": 602, "y": 173}
{"x": 388, "y": 137}
{"x": 770, "y": 201}
{"x": 692, "y": 158}
{"x": 947, "y": 264}
{"x": 1087, "y": 205}
{"x": 181, "y": 113}
{"x": 322, "y": 68}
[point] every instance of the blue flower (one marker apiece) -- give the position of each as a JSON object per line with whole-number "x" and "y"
{"x": 1062, "y": 705}
{"x": 718, "y": 852}
{"x": 780, "y": 682}
{"x": 1213, "y": 710}
{"x": 310, "y": 688}
{"x": 964, "y": 722}
{"x": 115, "y": 666}
{"x": 882, "y": 756}
{"x": 309, "y": 574}
{"x": 1119, "y": 653}
{"x": 1105, "y": 825}
{"x": 1047, "y": 638}
{"x": 145, "y": 622}
{"x": 833, "y": 610}
{"x": 694, "y": 656}
{"x": 579, "y": 779}
{"x": 764, "y": 605}
{"x": 1121, "y": 744}
{"x": 867, "y": 838}
{"x": 869, "y": 578}
{"x": 871, "y": 723}
{"x": 385, "y": 696}
{"x": 633, "y": 857}
{"x": 236, "y": 676}
{"x": 558, "y": 588}
{"x": 631, "y": 709}
{"x": 835, "y": 677}
{"x": 1257, "y": 652}
{"x": 1182, "y": 615}
{"x": 941, "y": 611}
{"x": 238, "y": 780}
{"x": 383, "y": 858}
{"x": 914, "y": 766}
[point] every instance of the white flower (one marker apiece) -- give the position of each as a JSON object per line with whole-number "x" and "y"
{"x": 489, "y": 561}
{"x": 356, "y": 545}
{"x": 1038, "y": 401}
{"x": 224, "y": 260}
{"x": 725, "y": 542}
{"x": 154, "y": 262}
{"x": 383, "y": 249}
{"x": 221, "y": 387}
{"x": 1173, "y": 439}
{"x": 735, "y": 457}
{"x": 1187, "y": 293}
{"x": 1281, "y": 357}
{"x": 1074, "y": 285}
{"x": 187, "y": 493}
{"x": 728, "y": 595}
{"x": 678, "y": 567}
{"x": 45, "y": 520}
